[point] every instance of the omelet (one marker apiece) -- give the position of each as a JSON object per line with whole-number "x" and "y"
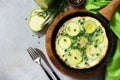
{"x": 81, "y": 42}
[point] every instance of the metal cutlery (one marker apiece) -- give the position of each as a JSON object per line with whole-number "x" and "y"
{"x": 37, "y": 59}
{"x": 46, "y": 61}
{"x": 36, "y": 55}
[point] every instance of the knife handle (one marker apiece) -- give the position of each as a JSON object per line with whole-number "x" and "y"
{"x": 48, "y": 75}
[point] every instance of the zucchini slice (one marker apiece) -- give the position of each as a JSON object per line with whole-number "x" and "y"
{"x": 74, "y": 57}
{"x": 99, "y": 38}
{"x": 65, "y": 42}
{"x": 36, "y": 23}
{"x": 89, "y": 26}
{"x": 35, "y": 12}
{"x": 72, "y": 28}
{"x": 92, "y": 52}
{"x": 83, "y": 41}
{"x": 45, "y": 3}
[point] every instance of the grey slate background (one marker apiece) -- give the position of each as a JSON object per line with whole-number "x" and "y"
{"x": 15, "y": 38}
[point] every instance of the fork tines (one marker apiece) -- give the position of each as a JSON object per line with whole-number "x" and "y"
{"x": 34, "y": 55}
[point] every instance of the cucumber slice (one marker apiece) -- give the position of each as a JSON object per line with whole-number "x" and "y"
{"x": 72, "y": 28}
{"x": 99, "y": 38}
{"x": 45, "y": 3}
{"x": 83, "y": 41}
{"x": 64, "y": 42}
{"x": 92, "y": 52}
{"x": 89, "y": 26}
{"x": 74, "y": 57}
{"x": 36, "y": 23}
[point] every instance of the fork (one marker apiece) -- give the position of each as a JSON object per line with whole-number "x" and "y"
{"x": 37, "y": 59}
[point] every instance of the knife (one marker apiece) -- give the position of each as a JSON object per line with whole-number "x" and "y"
{"x": 46, "y": 61}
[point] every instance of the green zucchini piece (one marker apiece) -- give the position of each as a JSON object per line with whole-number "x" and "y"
{"x": 92, "y": 52}
{"x": 83, "y": 41}
{"x": 99, "y": 38}
{"x": 35, "y": 12}
{"x": 39, "y": 12}
{"x": 74, "y": 57}
{"x": 89, "y": 26}
{"x": 45, "y": 3}
{"x": 64, "y": 42}
{"x": 36, "y": 23}
{"x": 72, "y": 28}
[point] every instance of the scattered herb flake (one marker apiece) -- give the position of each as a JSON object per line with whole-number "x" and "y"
{"x": 32, "y": 35}
{"x": 25, "y": 18}
{"x": 38, "y": 36}
{"x": 75, "y": 58}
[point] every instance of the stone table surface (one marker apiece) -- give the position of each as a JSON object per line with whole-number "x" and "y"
{"x": 16, "y": 37}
